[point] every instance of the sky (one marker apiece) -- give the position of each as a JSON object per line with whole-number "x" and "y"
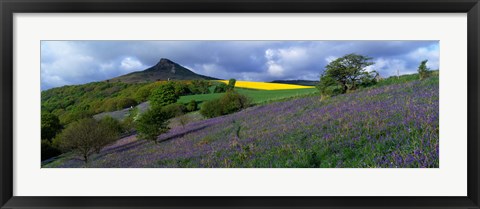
{"x": 79, "y": 62}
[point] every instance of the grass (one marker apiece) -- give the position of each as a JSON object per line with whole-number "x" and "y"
{"x": 266, "y": 86}
{"x": 392, "y": 125}
{"x": 264, "y": 96}
{"x": 403, "y": 79}
{"x": 258, "y": 96}
{"x": 199, "y": 97}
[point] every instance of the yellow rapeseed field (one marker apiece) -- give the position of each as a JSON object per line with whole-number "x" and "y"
{"x": 266, "y": 86}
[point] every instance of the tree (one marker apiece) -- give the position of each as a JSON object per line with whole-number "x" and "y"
{"x": 348, "y": 71}
{"x": 85, "y": 137}
{"x": 423, "y": 70}
{"x": 220, "y": 88}
{"x": 50, "y": 126}
{"x": 143, "y": 93}
{"x": 328, "y": 86}
{"x": 231, "y": 84}
{"x": 181, "y": 88}
{"x": 163, "y": 95}
{"x": 48, "y": 150}
{"x": 200, "y": 87}
{"x": 152, "y": 123}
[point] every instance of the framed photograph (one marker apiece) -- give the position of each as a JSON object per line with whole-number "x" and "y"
{"x": 239, "y": 104}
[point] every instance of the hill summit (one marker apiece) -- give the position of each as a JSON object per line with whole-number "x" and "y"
{"x": 164, "y": 70}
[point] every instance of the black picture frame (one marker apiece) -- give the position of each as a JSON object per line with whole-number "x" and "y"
{"x": 9, "y": 7}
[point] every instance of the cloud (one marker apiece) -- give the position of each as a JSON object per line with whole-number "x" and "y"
{"x": 129, "y": 64}
{"x": 289, "y": 62}
{"x": 427, "y": 53}
{"x": 330, "y": 59}
{"x": 392, "y": 66}
{"x": 77, "y": 62}
{"x": 275, "y": 69}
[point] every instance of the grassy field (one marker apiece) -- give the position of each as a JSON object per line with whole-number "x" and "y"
{"x": 266, "y": 86}
{"x": 258, "y": 96}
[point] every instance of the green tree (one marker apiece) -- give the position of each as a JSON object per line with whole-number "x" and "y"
{"x": 48, "y": 150}
{"x": 423, "y": 70}
{"x": 181, "y": 88}
{"x": 231, "y": 84}
{"x": 143, "y": 93}
{"x": 328, "y": 87}
{"x": 152, "y": 123}
{"x": 200, "y": 87}
{"x": 85, "y": 137}
{"x": 349, "y": 71}
{"x": 174, "y": 110}
{"x": 163, "y": 95}
{"x": 50, "y": 126}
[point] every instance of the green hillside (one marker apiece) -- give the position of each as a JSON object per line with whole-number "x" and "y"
{"x": 393, "y": 124}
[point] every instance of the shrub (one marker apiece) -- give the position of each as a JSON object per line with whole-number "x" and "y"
{"x": 174, "y": 110}
{"x": 231, "y": 102}
{"x": 118, "y": 103}
{"x": 122, "y": 103}
{"x": 328, "y": 87}
{"x": 112, "y": 124}
{"x": 151, "y": 124}
{"x": 369, "y": 79}
{"x": 184, "y": 120}
{"x": 48, "y": 150}
{"x": 192, "y": 106}
{"x": 50, "y": 126}
{"x": 220, "y": 88}
{"x": 143, "y": 93}
{"x": 211, "y": 109}
{"x": 128, "y": 124}
{"x": 85, "y": 137}
{"x": 181, "y": 89}
{"x": 163, "y": 95}
{"x": 109, "y": 105}
{"x": 199, "y": 87}
{"x": 72, "y": 116}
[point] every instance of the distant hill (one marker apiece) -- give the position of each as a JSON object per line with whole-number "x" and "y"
{"x": 297, "y": 82}
{"x": 164, "y": 70}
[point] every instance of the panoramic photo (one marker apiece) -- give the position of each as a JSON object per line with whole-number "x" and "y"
{"x": 240, "y": 104}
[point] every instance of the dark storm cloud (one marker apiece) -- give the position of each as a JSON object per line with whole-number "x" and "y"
{"x": 77, "y": 62}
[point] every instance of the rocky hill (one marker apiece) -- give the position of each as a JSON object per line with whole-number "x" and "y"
{"x": 164, "y": 70}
